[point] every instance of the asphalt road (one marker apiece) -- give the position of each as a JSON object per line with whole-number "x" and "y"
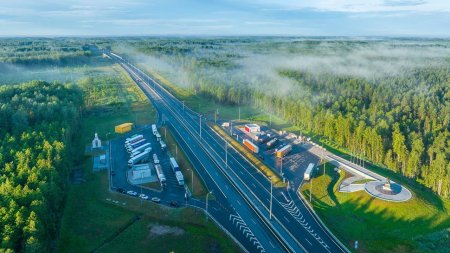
{"x": 293, "y": 226}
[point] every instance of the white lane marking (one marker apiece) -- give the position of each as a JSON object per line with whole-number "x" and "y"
{"x": 253, "y": 221}
{"x": 239, "y": 202}
{"x": 286, "y": 218}
{"x": 271, "y": 244}
{"x": 308, "y": 241}
{"x": 254, "y": 186}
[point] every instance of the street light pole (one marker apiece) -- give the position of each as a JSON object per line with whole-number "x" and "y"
{"x": 271, "y": 196}
{"x": 226, "y": 154}
{"x": 200, "y": 131}
{"x": 239, "y": 113}
{"x": 207, "y": 204}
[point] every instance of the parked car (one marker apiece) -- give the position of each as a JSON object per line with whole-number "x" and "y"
{"x": 143, "y": 196}
{"x": 174, "y": 204}
{"x": 121, "y": 190}
{"x": 132, "y": 193}
{"x": 156, "y": 200}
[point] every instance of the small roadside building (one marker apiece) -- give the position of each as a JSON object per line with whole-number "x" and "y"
{"x": 141, "y": 171}
{"x": 252, "y": 128}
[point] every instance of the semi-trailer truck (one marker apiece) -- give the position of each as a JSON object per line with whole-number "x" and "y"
{"x": 158, "y": 136}
{"x": 163, "y": 145}
{"x": 135, "y": 145}
{"x": 142, "y": 157}
{"x": 160, "y": 174}
{"x": 140, "y": 148}
{"x": 138, "y": 152}
{"x": 283, "y": 151}
{"x": 251, "y": 146}
{"x": 272, "y": 142}
{"x": 134, "y": 139}
{"x": 177, "y": 171}
{"x": 309, "y": 172}
{"x": 155, "y": 159}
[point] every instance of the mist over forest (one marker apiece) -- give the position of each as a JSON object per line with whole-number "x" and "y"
{"x": 387, "y": 100}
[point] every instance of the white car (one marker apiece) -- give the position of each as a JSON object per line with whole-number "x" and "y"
{"x": 143, "y": 196}
{"x": 156, "y": 200}
{"x": 132, "y": 193}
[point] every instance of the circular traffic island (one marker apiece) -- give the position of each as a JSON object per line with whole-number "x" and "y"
{"x": 389, "y": 191}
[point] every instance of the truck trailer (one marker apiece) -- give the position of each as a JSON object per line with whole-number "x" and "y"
{"x": 177, "y": 171}
{"x": 155, "y": 159}
{"x": 251, "y": 146}
{"x": 134, "y": 139}
{"x": 309, "y": 172}
{"x": 135, "y": 145}
{"x": 140, "y": 148}
{"x": 283, "y": 151}
{"x": 142, "y": 157}
{"x": 160, "y": 174}
{"x": 163, "y": 145}
{"x": 154, "y": 129}
{"x": 272, "y": 142}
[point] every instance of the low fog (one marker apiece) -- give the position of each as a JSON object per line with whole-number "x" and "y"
{"x": 258, "y": 65}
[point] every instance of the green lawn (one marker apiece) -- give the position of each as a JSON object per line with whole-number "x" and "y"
{"x": 378, "y": 225}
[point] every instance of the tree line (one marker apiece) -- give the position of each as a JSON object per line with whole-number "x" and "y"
{"x": 37, "y": 125}
{"x": 399, "y": 121}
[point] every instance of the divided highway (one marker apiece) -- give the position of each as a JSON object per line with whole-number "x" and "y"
{"x": 244, "y": 193}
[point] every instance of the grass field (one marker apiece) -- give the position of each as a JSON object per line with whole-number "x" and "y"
{"x": 92, "y": 221}
{"x": 185, "y": 165}
{"x": 379, "y": 226}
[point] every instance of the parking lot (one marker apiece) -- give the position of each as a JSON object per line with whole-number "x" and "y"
{"x": 119, "y": 167}
{"x": 292, "y": 166}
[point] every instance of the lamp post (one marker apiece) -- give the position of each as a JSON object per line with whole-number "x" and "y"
{"x": 176, "y": 150}
{"x": 271, "y": 196}
{"x": 207, "y": 204}
{"x": 226, "y": 154}
{"x": 192, "y": 181}
{"x": 200, "y": 126}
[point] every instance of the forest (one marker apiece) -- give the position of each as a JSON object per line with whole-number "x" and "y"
{"x": 37, "y": 126}
{"x": 385, "y": 100}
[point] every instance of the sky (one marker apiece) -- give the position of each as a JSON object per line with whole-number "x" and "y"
{"x": 425, "y": 18}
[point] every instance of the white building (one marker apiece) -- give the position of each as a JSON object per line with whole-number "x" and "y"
{"x": 141, "y": 171}
{"x": 96, "y": 142}
{"x": 252, "y": 128}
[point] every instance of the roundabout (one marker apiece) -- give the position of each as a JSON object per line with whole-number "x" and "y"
{"x": 389, "y": 191}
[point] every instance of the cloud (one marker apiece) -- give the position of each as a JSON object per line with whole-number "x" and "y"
{"x": 357, "y": 6}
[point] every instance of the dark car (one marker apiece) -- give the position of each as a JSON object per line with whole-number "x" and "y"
{"x": 121, "y": 190}
{"x": 174, "y": 204}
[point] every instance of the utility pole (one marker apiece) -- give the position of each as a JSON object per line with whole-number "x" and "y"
{"x": 192, "y": 181}
{"x": 271, "y": 197}
{"x": 207, "y": 204}
{"x": 323, "y": 160}
{"x": 239, "y": 113}
{"x": 200, "y": 126}
{"x": 281, "y": 167}
{"x": 226, "y": 154}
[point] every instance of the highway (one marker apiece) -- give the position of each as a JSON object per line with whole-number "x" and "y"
{"x": 293, "y": 227}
